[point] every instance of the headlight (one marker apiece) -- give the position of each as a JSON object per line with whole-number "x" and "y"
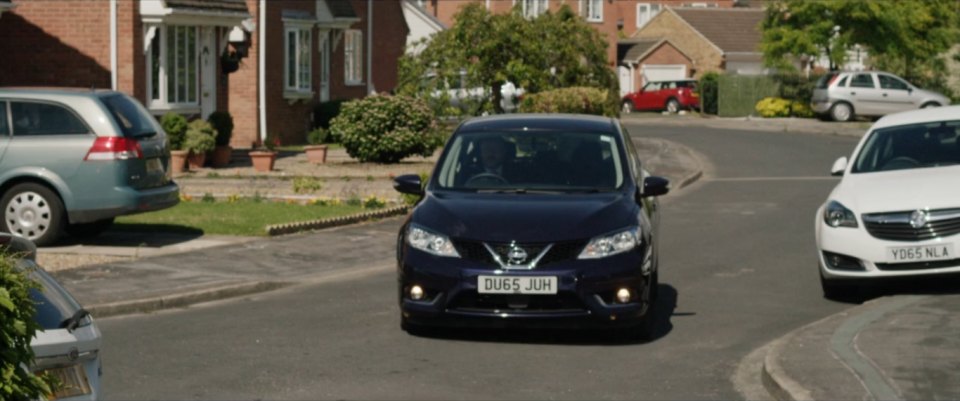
{"x": 837, "y": 215}
{"x": 429, "y": 242}
{"x": 607, "y": 245}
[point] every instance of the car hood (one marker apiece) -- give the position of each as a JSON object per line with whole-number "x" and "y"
{"x": 901, "y": 190}
{"x": 525, "y": 217}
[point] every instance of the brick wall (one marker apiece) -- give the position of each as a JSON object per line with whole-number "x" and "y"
{"x": 242, "y": 90}
{"x": 389, "y": 40}
{"x": 56, "y": 43}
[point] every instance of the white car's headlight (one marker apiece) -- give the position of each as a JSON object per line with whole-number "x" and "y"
{"x": 607, "y": 245}
{"x": 837, "y": 215}
{"x": 429, "y": 242}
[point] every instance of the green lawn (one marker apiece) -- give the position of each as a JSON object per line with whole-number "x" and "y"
{"x": 243, "y": 217}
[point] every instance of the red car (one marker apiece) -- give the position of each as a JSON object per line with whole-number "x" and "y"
{"x": 671, "y": 96}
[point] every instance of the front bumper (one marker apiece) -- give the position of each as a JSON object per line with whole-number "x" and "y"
{"x": 584, "y": 298}
{"x": 872, "y": 254}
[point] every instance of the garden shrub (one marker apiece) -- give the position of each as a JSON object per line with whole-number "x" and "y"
{"x": 175, "y": 125}
{"x": 386, "y": 128}
{"x": 778, "y": 107}
{"x": 200, "y": 138}
{"x": 576, "y": 100}
{"x": 17, "y": 328}
{"x": 317, "y": 136}
{"x": 709, "y": 93}
{"x": 222, "y": 121}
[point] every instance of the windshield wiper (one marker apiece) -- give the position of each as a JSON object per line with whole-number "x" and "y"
{"x": 71, "y": 323}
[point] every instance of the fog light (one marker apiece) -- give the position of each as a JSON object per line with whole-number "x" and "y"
{"x": 623, "y": 295}
{"x": 416, "y": 293}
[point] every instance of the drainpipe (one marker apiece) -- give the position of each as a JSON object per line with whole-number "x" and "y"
{"x": 262, "y": 70}
{"x": 370, "y": 88}
{"x": 113, "y": 44}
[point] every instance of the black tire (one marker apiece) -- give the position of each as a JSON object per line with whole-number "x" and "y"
{"x": 672, "y": 105}
{"x": 414, "y": 329}
{"x": 33, "y": 211}
{"x": 627, "y": 107}
{"x": 89, "y": 230}
{"x": 930, "y": 104}
{"x": 836, "y": 290}
{"x": 841, "y": 111}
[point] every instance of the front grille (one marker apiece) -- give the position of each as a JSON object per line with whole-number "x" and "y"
{"x": 897, "y": 227}
{"x": 918, "y": 265}
{"x": 559, "y": 252}
{"x": 471, "y": 301}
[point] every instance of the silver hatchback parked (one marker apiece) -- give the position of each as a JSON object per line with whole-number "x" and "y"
{"x": 72, "y": 160}
{"x": 842, "y": 95}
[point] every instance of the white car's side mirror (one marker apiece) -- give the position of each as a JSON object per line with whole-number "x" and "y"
{"x": 839, "y": 166}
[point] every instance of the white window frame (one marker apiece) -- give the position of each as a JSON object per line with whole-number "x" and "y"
{"x": 353, "y": 57}
{"x": 190, "y": 102}
{"x": 592, "y": 10}
{"x": 533, "y": 8}
{"x": 650, "y": 10}
{"x": 300, "y": 84}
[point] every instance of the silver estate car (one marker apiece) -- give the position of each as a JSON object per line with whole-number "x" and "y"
{"x": 840, "y": 96}
{"x": 67, "y": 346}
{"x": 72, "y": 160}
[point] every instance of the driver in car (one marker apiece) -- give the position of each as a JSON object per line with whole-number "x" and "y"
{"x": 495, "y": 155}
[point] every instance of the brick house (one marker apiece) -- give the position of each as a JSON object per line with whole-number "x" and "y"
{"x": 645, "y": 60}
{"x": 713, "y": 39}
{"x": 181, "y": 55}
{"x": 614, "y": 19}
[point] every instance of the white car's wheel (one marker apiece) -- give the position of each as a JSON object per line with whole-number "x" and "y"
{"x": 673, "y": 105}
{"x": 34, "y": 212}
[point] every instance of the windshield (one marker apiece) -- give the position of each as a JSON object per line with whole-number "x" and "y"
{"x": 910, "y": 146}
{"x": 531, "y": 161}
{"x": 53, "y": 305}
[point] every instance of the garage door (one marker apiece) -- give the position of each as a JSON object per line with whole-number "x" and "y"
{"x": 663, "y": 72}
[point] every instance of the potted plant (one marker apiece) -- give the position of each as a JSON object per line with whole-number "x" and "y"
{"x": 200, "y": 139}
{"x": 316, "y": 150}
{"x": 264, "y": 156}
{"x": 221, "y": 121}
{"x": 175, "y": 126}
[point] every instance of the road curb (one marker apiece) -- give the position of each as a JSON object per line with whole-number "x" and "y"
{"x": 183, "y": 299}
{"x": 290, "y": 228}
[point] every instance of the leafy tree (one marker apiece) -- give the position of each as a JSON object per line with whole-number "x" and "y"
{"x": 17, "y": 328}
{"x": 554, "y": 50}
{"x": 907, "y": 38}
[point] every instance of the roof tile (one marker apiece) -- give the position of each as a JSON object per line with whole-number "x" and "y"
{"x": 735, "y": 30}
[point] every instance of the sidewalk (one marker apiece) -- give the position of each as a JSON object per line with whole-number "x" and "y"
{"x": 903, "y": 347}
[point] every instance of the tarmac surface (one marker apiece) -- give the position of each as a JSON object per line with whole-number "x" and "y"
{"x": 903, "y": 346}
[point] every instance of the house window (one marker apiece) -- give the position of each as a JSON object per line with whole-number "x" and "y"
{"x": 646, "y": 12}
{"x": 702, "y": 5}
{"x": 592, "y": 10}
{"x": 173, "y": 66}
{"x": 297, "y": 59}
{"x": 533, "y": 8}
{"x": 353, "y": 56}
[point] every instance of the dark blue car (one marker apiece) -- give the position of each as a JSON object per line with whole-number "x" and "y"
{"x": 535, "y": 221}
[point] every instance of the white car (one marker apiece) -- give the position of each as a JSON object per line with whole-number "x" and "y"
{"x": 462, "y": 97}
{"x": 68, "y": 344}
{"x": 896, "y": 211}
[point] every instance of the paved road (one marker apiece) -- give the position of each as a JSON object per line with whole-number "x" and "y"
{"x": 737, "y": 272}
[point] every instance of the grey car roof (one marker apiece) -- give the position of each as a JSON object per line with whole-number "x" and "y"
{"x": 73, "y": 92}
{"x": 540, "y": 121}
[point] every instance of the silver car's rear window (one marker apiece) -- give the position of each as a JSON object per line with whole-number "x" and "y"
{"x": 132, "y": 119}
{"x": 53, "y": 305}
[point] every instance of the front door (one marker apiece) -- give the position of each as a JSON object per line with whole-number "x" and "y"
{"x": 209, "y": 55}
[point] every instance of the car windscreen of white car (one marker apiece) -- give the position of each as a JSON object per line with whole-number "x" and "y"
{"x": 910, "y": 146}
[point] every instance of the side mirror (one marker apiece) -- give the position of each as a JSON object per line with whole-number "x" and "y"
{"x": 655, "y": 186}
{"x": 839, "y": 166}
{"x": 408, "y": 184}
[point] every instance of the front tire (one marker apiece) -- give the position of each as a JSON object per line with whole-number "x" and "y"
{"x": 928, "y": 105}
{"x": 34, "y": 212}
{"x": 836, "y": 290}
{"x": 626, "y": 107}
{"x": 841, "y": 112}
